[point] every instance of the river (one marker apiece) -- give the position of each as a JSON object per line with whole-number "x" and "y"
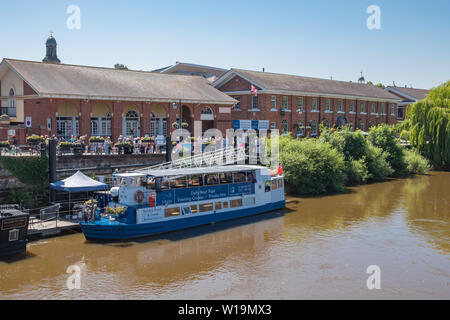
{"x": 317, "y": 248}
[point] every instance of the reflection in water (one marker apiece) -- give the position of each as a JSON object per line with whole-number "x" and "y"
{"x": 428, "y": 208}
{"x": 320, "y": 248}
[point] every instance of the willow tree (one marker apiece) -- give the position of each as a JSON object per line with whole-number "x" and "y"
{"x": 428, "y": 123}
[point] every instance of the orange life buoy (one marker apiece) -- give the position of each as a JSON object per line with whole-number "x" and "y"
{"x": 139, "y": 196}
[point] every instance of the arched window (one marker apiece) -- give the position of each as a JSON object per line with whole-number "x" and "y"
{"x": 326, "y": 123}
{"x": 207, "y": 114}
{"x": 207, "y": 110}
{"x": 12, "y": 104}
{"x": 371, "y": 124}
{"x": 101, "y": 120}
{"x": 131, "y": 124}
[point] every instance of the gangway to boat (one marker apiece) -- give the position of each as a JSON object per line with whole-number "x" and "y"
{"x": 226, "y": 156}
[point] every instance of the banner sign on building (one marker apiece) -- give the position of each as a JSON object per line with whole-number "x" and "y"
{"x": 251, "y": 124}
{"x": 169, "y": 197}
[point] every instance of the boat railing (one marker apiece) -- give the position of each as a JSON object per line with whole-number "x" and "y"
{"x": 225, "y": 156}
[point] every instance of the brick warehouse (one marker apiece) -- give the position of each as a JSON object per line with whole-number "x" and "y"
{"x": 299, "y": 104}
{"x": 50, "y": 98}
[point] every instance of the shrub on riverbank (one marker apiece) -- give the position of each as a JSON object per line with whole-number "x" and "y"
{"x": 384, "y": 137}
{"x": 339, "y": 157}
{"x": 415, "y": 163}
{"x": 364, "y": 162}
{"x": 311, "y": 167}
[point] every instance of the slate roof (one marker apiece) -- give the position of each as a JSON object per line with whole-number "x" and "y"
{"x": 417, "y": 94}
{"x": 292, "y": 83}
{"x": 73, "y": 81}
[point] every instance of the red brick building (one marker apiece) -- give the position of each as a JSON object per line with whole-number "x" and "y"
{"x": 65, "y": 100}
{"x": 408, "y": 96}
{"x": 299, "y": 104}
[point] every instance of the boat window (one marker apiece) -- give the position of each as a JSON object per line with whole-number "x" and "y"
{"x": 123, "y": 182}
{"x": 274, "y": 184}
{"x": 165, "y": 184}
{"x": 187, "y": 211}
{"x": 251, "y": 177}
{"x": 226, "y": 178}
{"x": 14, "y": 235}
{"x": 267, "y": 185}
{"x": 225, "y": 205}
{"x": 195, "y": 181}
{"x": 135, "y": 182}
{"x": 150, "y": 184}
{"x": 218, "y": 205}
{"x": 211, "y": 179}
{"x": 205, "y": 207}
{"x": 239, "y": 177}
{"x": 235, "y": 203}
{"x": 280, "y": 183}
{"x": 249, "y": 201}
{"x": 178, "y": 183}
{"x": 171, "y": 212}
{"x": 194, "y": 208}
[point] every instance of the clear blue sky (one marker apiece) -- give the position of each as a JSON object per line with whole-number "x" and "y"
{"x": 319, "y": 38}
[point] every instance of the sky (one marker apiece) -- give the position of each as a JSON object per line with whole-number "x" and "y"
{"x": 321, "y": 38}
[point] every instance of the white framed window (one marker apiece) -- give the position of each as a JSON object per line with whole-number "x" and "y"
{"x": 352, "y": 106}
{"x": 393, "y": 109}
{"x": 314, "y": 104}
{"x": 11, "y": 104}
{"x": 383, "y": 108}
{"x": 237, "y": 106}
{"x": 273, "y": 102}
{"x": 327, "y": 105}
{"x": 300, "y": 129}
{"x": 284, "y": 127}
{"x": 300, "y": 104}
{"x": 374, "y": 108}
{"x": 285, "y": 102}
{"x": 13, "y": 235}
{"x": 254, "y": 102}
{"x": 340, "y": 106}
{"x": 273, "y": 126}
{"x": 363, "y": 107}
{"x": 313, "y": 128}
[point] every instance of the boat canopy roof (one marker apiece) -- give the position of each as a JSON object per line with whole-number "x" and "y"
{"x": 190, "y": 171}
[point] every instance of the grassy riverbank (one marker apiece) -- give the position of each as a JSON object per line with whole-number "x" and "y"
{"x": 342, "y": 157}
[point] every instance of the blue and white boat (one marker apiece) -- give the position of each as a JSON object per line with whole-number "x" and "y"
{"x": 163, "y": 200}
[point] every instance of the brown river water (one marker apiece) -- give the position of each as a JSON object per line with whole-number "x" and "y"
{"x": 317, "y": 248}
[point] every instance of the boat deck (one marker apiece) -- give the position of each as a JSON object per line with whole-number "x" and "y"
{"x": 50, "y": 228}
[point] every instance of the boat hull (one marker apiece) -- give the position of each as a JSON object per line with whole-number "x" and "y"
{"x": 13, "y": 248}
{"x": 105, "y": 232}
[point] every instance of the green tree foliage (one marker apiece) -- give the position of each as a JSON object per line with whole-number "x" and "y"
{"x": 428, "y": 123}
{"x": 311, "y": 167}
{"x": 364, "y": 162}
{"x": 31, "y": 171}
{"x": 416, "y": 164}
{"x": 20, "y": 197}
{"x": 384, "y": 137}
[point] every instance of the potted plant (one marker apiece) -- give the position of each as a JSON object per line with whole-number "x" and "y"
{"x": 147, "y": 139}
{"x": 124, "y": 147}
{"x": 185, "y": 125}
{"x": 113, "y": 212}
{"x": 65, "y": 146}
{"x": 4, "y": 144}
{"x": 96, "y": 139}
{"x": 35, "y": 139}
{"x": 175, "y": 125}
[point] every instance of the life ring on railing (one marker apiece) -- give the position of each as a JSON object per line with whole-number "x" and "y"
{"x": 151, "y": 200}
{"x": 139, "y": 196}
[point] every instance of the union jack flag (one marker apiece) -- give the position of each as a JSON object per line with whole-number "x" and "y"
{"x": 254, "y": 90}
